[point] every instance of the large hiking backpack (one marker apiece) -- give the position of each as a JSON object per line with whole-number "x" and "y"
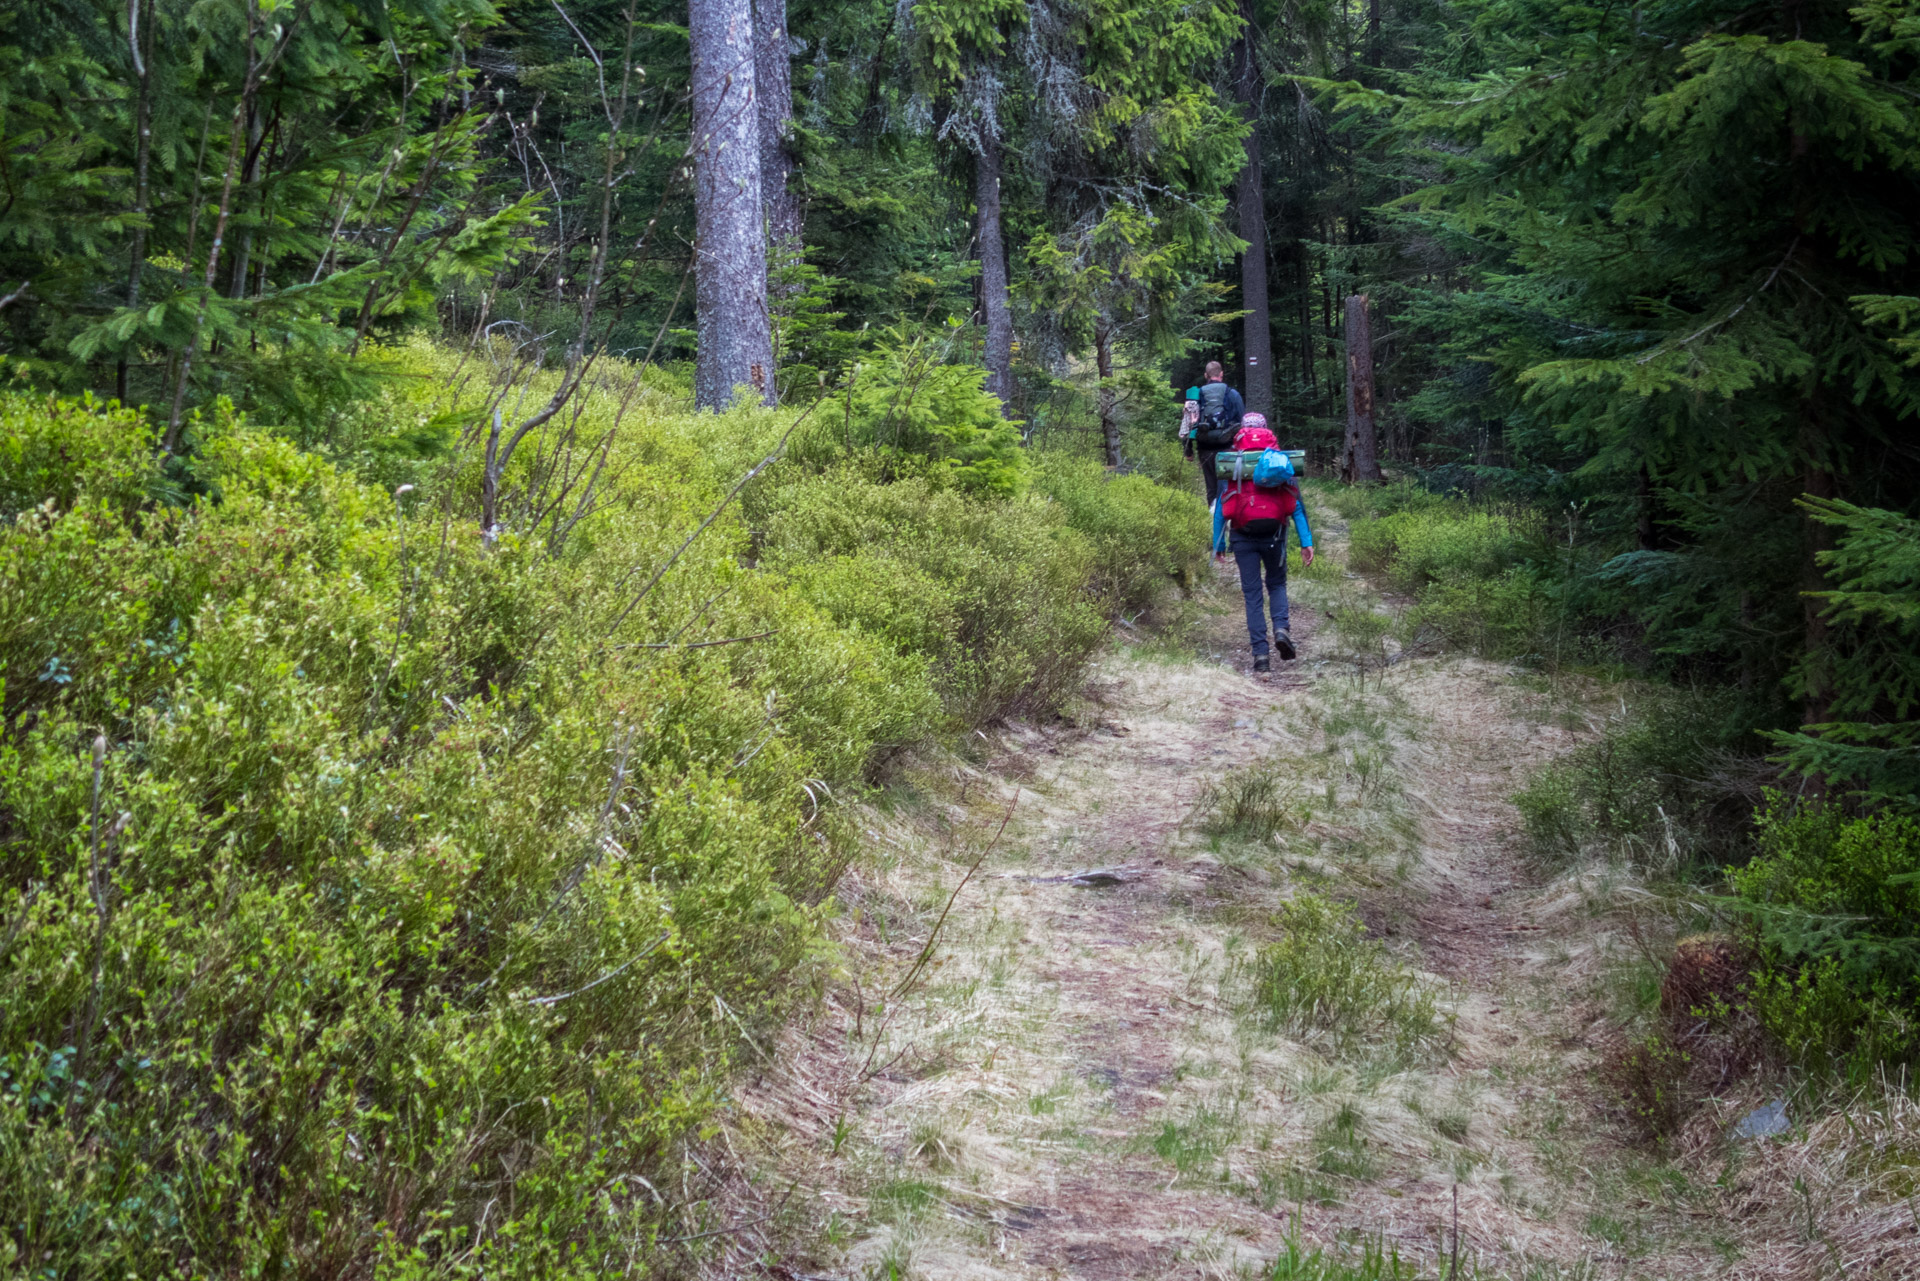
{"x": 1258, "y": 492}
{"x": 1214, "y": 430}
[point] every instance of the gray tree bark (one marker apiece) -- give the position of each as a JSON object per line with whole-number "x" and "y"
{"x": 773, "y": 82}
{"x": 1109, "y": 417}
{"x": 996, "y": 312}
{"x": 1257, "y": 349}
{"x": 1360, "y": 460}
{"x": 735, "y": 332}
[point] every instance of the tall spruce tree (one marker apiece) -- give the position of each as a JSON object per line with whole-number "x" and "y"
{"x": 773, "y": 81}
{"x": 1141, "y": 151}
{"x": 960, "y": 50}
{"x": 1250, "y": 204}
{"x": 1690, "y": 208}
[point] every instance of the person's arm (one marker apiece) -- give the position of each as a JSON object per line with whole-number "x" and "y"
{"x": 1236, "y": 406}
{"x": 1301, "y": 528}
{"x": 1219, "y": 529}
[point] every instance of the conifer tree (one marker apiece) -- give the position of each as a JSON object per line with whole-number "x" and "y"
{"x": 773, "y": 80}
{"x": 1250, "y": 203}
{"x": 960, "y": 48}
{"x": 1143, "y": 150}
{"x": 1687, "y": 208}
{"x": 271, "y": 186}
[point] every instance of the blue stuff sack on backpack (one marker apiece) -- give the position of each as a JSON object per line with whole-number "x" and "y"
{"x": 1272, "y": 468}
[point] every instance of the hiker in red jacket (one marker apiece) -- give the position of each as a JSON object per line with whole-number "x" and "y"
{"x": 1250, "y": 520}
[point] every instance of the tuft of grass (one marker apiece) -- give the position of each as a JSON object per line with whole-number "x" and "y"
{"x": 1323, "y": 976}
{"x": 1341, "y": 1141}
{"x": 931, "y": 1142}
{"x": 1251, "y": 800}
{"x": 1452, "y": 1125}
{"x": 1360, "y": 634}
{"x": 1044, "y": 1102}
{"x": 1374, "y": 1260}
{"x": 1291, "y": 1185}
{"x": 1191, "y": 1146}
{"x": 897, "y": 1199}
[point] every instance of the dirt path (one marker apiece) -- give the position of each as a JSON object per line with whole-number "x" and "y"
{"x": 1081, "y": 1084}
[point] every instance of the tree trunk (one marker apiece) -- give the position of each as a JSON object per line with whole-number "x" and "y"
{"x": 1257, "y": 349}
{"x": 1109, "y": 418}
{"x": 170, "y": 441}
{"x": 773, "y": 82}
{"x": 1816, "y": 537}
{"x": 249, "y": 191}
{"x": 143, "y": 151}
{"x": 1303, "y": 271}
{"x": 1360, "y": 460}
{"x": 996, "y": 314}
{"x": 735, "y": 333}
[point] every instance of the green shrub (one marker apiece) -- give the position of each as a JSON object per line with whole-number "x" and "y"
{"x": 1145, "y": 537}
{"x": 1834, "y": 905}
{"x": 1504, "y": 616}
{"x": 1323, "y": 976}
{"x": 447, "y": 895}
{"x": 1652, "y": 1076}
{"x": 1364, "y": 502}
{"x": 458, "y": 872}
{"x": 993, "y": 596}
{"x": 1482, "y": 579}
{"x": 1658, "y": 788}
{"x": 54, "y": 450}
{"x": 907, "y": 401}
{"x": 1361, "y": 631}
{"x": 1416, "y": 546}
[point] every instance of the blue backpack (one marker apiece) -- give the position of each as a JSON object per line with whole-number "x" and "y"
{"x": 1272, "y": 468}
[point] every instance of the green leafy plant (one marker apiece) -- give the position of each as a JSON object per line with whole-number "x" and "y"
{"x": 425, "y": 886}
{"x": 907, "y": 397}
{"x": 1253, "y": 800}
{"x": 1832, "y": 901}
{"x": 989, "y": 594}
{"x": 1323, "y": 976}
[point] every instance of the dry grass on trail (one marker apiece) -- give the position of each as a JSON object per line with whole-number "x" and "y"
{"x": 1082, "y": 1083}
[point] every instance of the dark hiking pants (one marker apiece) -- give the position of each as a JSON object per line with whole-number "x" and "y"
{"x": 1253, "y": 557}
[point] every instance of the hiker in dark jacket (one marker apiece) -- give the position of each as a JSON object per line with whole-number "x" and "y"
{"x": 1220, "y": 412}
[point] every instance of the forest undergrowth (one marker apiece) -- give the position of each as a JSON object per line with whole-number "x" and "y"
{"x": 384, "y": 891}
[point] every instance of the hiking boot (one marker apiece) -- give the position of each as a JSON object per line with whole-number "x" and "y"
{"x": 1261, "y": 664}
{"x": 1284, "y": 643}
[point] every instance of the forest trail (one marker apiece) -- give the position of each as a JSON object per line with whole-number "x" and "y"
{"x": 1078, "y": 1085}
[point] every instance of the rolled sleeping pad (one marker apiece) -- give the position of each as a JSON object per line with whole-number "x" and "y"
{"x": 1229, "y": 463}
